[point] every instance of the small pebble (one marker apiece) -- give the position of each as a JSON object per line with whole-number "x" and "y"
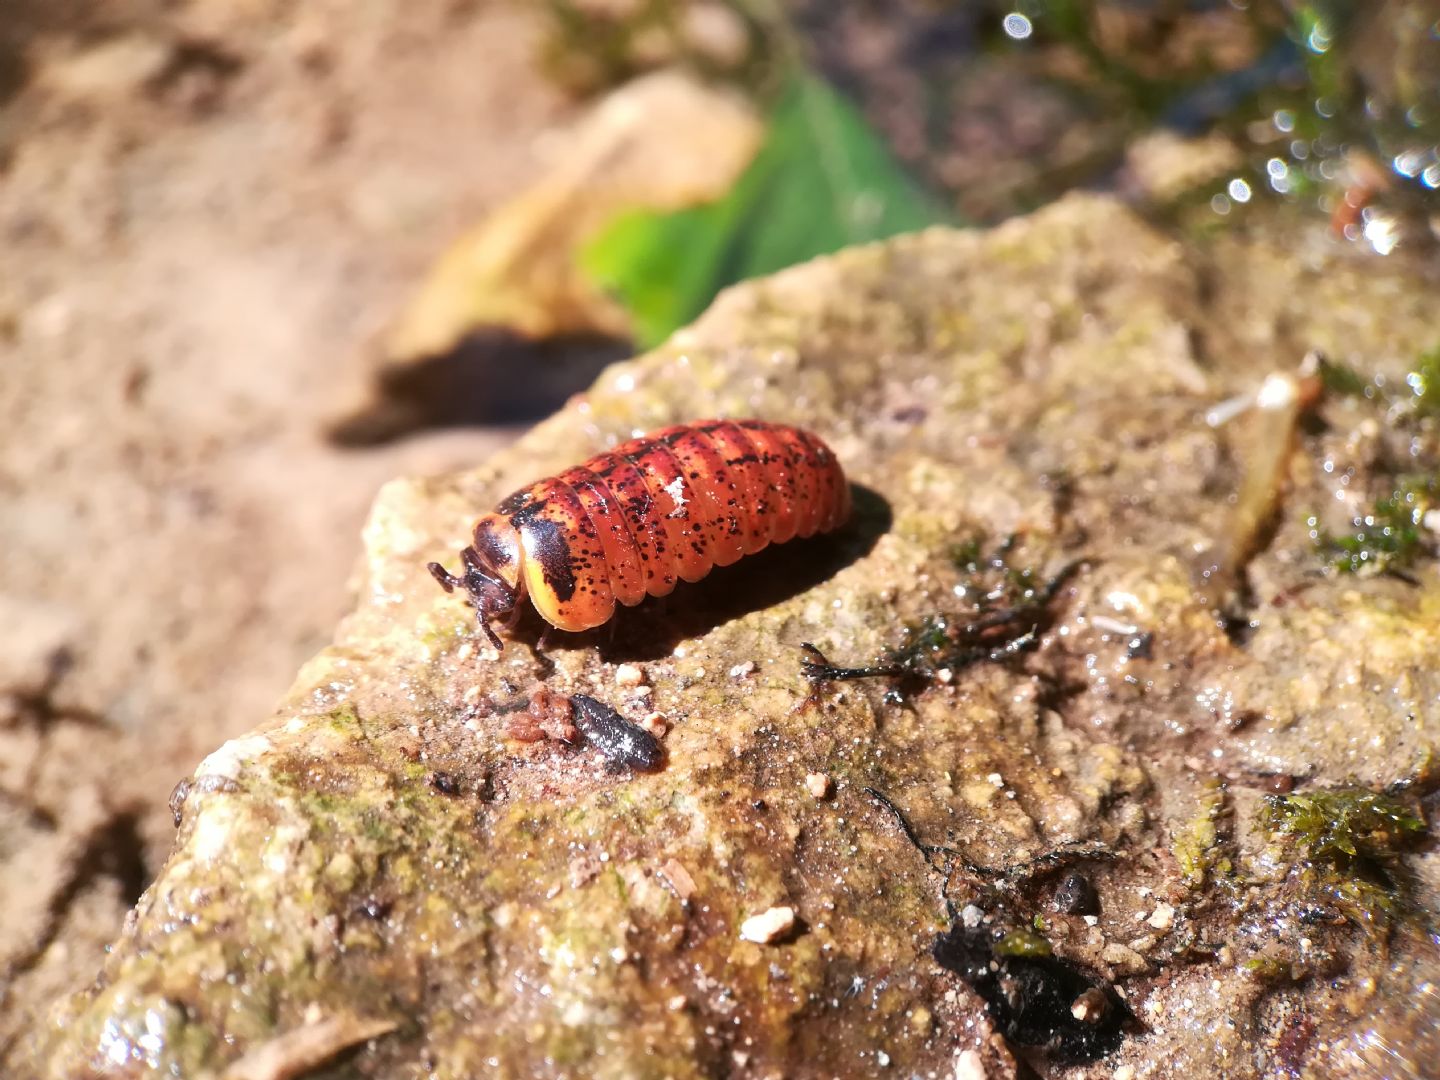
{"x": 1163, "y": 917}
{"x": 629, "y": 675}
{"x": 740, "y": 671}
{"x": 768, "y": 926}
{"x": 1128, "y": 960}
{"x": 444, "y": 782}
{"x": 679, "y": 878}
{"x": 656, "y": 724}
{"x": 1090, "y": 1007}
{"x": 583, "y": 870}
{"x": 969, "y": 1065}
{"x": 818, "y": 784}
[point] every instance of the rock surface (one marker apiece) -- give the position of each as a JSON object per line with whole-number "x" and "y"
{"x": 207, "y": 209}
{"x": 382, "y": 872}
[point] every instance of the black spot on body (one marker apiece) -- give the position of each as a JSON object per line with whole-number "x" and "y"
{"x": 489, "y": 546}
{"x": 518, "y": 503}
{"x": 548, "y": 545}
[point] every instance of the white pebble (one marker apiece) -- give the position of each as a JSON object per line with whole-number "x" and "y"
{"x": 629, "y": 675}
{"x": 1163, "y": 917}
{"x": 969, "y": 1065}
{"x": 818, "y": 784}
{"x": 1090, "y": 1007}
{"x": 768, "y": 925}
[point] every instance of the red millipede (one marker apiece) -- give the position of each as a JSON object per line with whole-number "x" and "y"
{"x": 630, "y": 523}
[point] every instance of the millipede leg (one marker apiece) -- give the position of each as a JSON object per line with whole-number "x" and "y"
{"x": 490, "y": 632}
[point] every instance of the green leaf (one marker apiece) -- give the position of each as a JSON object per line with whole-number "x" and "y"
{"x": 821, "y": 180}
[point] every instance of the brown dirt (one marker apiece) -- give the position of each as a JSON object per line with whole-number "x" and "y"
{"x": 207, "y": 210}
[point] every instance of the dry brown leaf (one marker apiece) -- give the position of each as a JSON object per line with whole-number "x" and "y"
{"x": 511, "y": 289}
{"x": 663, "y": 142}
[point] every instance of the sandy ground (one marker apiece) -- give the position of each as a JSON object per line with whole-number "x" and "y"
{"x": 207, "y": 212}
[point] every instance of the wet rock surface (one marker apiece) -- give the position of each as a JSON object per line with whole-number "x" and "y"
{"x": 385, "y": 876}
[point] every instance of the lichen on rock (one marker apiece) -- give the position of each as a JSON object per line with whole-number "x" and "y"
{"x": 383, "y": 861}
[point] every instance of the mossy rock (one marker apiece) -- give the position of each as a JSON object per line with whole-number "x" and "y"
{"x": 382, "y": 871}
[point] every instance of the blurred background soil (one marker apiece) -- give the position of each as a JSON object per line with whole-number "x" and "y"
{"x": 207, "y": 210}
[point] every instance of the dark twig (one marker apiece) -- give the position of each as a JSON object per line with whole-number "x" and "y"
{"x": 995, "y": 636}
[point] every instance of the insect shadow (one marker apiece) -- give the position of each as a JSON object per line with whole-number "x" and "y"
{"x": 493, "y": 376}
{"x": 654, "y": 627}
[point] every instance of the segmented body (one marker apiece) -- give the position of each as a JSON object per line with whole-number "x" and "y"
{"x": 654, "y": 511}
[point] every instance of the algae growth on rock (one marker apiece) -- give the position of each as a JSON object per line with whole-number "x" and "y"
{"x": 384, "y": 867}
